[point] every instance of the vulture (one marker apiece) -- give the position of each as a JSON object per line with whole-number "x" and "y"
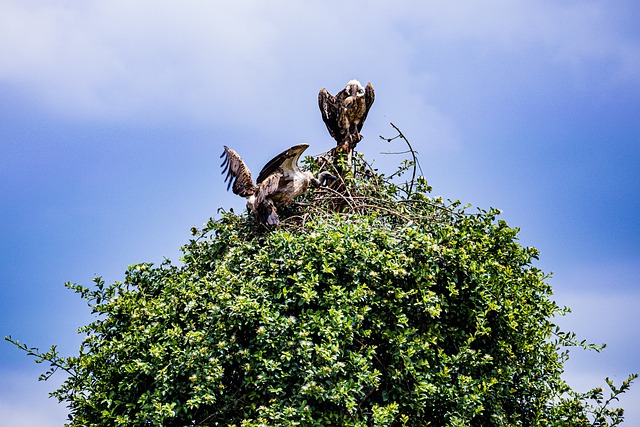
{"x": 344, "y": 114}
{"x": 280, "y": 181}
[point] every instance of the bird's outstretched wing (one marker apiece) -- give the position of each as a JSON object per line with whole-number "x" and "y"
{"x": 369, "y": 97}
{"x": 286, "y": 162}
{"x": 330, "y": 109}
{"x": 238, "y": 174}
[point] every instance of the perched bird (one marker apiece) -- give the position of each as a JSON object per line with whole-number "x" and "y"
{"x": 344, "y": 114}
{"x": 278, "y": 184}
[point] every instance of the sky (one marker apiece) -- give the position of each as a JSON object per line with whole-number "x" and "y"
{"x": 114, "y": 114}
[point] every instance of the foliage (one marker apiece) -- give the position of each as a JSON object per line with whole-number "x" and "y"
{"x": 372, "y": 305}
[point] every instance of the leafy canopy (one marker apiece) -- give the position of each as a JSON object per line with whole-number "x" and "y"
{"x": 374, "y": 304}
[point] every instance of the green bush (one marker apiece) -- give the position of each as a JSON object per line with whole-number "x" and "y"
{"x": 376, "y": 305}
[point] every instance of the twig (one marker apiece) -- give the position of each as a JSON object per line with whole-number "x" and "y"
{"x": 416, "y": 164}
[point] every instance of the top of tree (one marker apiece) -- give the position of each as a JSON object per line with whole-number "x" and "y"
{"x": 372, "y": 304}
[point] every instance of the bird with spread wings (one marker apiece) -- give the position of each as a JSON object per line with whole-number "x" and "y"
{"x": 344, "y": 114}
{"x": 280, "y": 181}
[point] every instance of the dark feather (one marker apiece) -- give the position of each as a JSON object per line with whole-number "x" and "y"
{"x": 237, "y": 173}
{"x": 270, "y": 185}
{"x": 369, "y": 97}
{"x": 267, "y": 214}
{"x": 287, "y": 162}
{"x": 330, "y": 110}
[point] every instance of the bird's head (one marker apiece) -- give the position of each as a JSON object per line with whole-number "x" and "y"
{"x": 355, "y": 89}
{"x": 321, "y": 179}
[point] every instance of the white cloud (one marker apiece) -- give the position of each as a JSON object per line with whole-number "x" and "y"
{"x": 121, "y": 58}
{"x": 604, "y": 316}
{"x": 24, "y": 416}
{"x": 576, "y": 30}
{"x": 25, "y": 402}
{"x": 204, "y": 62}
{"x": 604, "y": 299}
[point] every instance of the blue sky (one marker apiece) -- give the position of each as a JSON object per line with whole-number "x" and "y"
{"x": 114, "y": 115}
